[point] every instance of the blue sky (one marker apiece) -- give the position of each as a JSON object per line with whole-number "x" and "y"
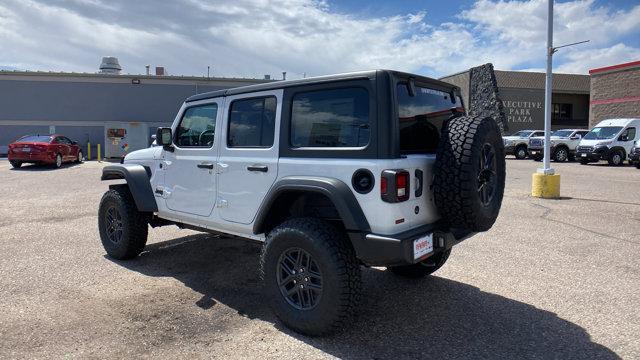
{"x": 250, "y": 38}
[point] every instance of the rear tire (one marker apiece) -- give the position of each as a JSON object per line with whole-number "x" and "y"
{"x": 469, "y": 173}
{"x": 423, "y": 268}
{"x": 330, "y": 282}
{"x": 521, "y": 152}
{"x": 123, "y": 229}
{"x": 15, "y": 164}
{"x": 616, "y": 158}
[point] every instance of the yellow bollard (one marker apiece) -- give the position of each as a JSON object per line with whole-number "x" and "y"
{"x": 545, "y": 186}
{"x": 99, "y": 158}
{"x": 88, "y": 151}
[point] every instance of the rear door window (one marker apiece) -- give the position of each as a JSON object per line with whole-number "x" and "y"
{"x": 421, "y": 117}
{"x": 252, "y": 122}
{"x": 330, "y": 118}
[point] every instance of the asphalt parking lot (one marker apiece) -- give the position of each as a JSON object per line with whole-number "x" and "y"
{"x": 552, "y": 279}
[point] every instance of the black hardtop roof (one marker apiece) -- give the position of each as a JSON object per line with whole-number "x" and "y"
{"x": 369, "y": 74}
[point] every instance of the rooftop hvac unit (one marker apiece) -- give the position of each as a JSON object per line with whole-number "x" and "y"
{"x": 110, "y": 65}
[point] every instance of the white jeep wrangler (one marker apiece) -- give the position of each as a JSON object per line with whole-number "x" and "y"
{"x": 376, "y": 168}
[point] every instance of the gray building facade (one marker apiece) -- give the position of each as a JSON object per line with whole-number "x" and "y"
{"x": 96, "y": 108}
{"x": 523, "y": 96}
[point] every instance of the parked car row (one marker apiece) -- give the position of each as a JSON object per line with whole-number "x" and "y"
{"x": 613, "y": 140}
{"x": 54, "y": 149}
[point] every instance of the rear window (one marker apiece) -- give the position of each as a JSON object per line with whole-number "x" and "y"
{"x": 330, "y": 118}
{"x": 421, "y": 117}
{"x": 36, "y": 138}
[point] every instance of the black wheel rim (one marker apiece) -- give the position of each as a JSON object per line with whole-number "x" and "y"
{"x": 113, "y": 221}
{"x": 487, "y": 178}
{"x": 299, "y": 279}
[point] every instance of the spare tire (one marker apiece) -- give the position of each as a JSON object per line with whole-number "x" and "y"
{"x": 468, "y": 182}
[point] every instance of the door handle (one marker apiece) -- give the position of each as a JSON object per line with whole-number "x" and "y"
{"x": 206, "y": 165}
{"x": 261, "y": 168}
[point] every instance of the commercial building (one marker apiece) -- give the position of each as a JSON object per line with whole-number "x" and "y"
{"x": 615, "y": 92}
{"x": 120, "y": 112}
{"x": 523, "y": 96}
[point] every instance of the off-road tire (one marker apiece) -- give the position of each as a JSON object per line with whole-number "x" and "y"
{"x": 458, "y": 177}
{"x": 521, "y": 155}
{"x": 340, "y": 270}
{"x": 15, "y": 164}
{"x": 612, "y": 158}
{"x": 134, "y": 224}
{"x": 423, "y": 268}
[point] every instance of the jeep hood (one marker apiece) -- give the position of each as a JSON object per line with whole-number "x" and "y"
{"x": 144, "y": 154}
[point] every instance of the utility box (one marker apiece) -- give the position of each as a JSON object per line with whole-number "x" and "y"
{"x": 124, "y": 137}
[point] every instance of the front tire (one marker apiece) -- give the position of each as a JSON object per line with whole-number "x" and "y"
{"x": 58, "y": 162}
{"x": 521, "y": 152}
{"x": 311, "y": 276}
{"x": 616, "y": 158}
{"x": 423, "y": 268}
{"x": 15, "y": 164}
{"x": 561, "y": 154}
{"x": 123, "y": 229}
{"x": 80, "y": 158}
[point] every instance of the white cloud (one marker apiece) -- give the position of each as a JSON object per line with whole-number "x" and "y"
{"x": 255, "y": 37}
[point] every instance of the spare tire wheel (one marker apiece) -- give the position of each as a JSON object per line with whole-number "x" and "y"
{"x": 469, "y": 176}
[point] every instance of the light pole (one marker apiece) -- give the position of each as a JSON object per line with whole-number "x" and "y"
{"x": 545, "y": 182}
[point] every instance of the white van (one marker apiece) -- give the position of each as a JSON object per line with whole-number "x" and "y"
{"x": 610, "y": 140}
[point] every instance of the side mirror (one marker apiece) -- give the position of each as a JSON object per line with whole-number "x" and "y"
{"x": 74, "y": 142}
{"x": 164, "y": 138}
{"x": 576, "y": 137}
{"x": 623, "y": 138}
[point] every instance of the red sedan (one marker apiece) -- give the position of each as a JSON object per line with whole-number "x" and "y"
{"x": 44, "y": 149}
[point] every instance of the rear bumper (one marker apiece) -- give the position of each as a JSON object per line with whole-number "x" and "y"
{"x": 398, "y": 249}
{"x": 31, "y": 158}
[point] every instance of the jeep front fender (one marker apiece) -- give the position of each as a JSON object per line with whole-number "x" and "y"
{"x": 335, "y": 190}
{"x": 137, "y": 177}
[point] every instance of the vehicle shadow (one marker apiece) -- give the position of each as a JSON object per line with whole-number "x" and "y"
{"x": 399, "y": 318}
{"x": 43, "y": 167}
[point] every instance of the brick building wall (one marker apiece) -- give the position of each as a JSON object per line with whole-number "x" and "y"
{"x": 615, "y": 92}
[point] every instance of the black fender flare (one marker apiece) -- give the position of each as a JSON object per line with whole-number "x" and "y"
{"x": 619, "y": 148}
{"x": 335, "y": 190}
{"x": 137, "y": 177}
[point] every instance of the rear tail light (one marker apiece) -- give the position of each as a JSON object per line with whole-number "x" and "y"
{"x": 394, "y": 185}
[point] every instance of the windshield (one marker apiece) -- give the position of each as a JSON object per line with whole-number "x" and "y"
{"x": 601, "y": 133}
{"x": 523, "y": 133}
{"x": 562, "y": 133}
{"x": 35, "y": 138}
